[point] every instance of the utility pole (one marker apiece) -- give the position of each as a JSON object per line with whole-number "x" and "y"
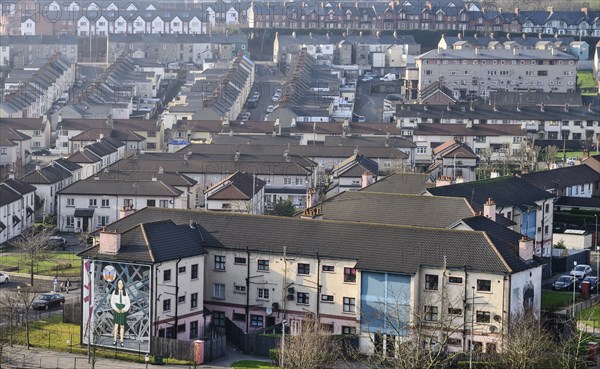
{"x": 472, "y": 327}
{"x": 284, "y": 298}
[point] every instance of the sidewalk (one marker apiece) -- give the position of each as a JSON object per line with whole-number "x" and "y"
{"x": 19, "y": 357}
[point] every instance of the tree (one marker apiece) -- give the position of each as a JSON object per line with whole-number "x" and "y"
{"x": 527, "y": 344}
{"x": 485, "y": 165}
{"x": 25, "y": 297}
{"x": 548, "y": 155}
{"x": 314, "y": 347}
{"x": 9, "y": 316}
{"x": 284, "y": 208}
{"x": 34, "y": 247}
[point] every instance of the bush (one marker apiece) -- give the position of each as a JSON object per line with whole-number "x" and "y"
{"x": 274, "y": 355}
{"x": 478, "y": 365}
{"x": 63, "y": 266}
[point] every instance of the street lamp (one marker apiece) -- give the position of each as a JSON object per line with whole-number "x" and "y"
{"x": 574, "y": 285}
{"x": 147, "y": 360}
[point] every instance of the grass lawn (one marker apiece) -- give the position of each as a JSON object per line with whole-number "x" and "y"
{"x": 52, "y": 334}
{"x": 68, "y": 261}
{"x": 553, "y": 300}
{"x": 570, "y": 154}
{"x": 585, "y": 79}
{"x": 252, "y": 364}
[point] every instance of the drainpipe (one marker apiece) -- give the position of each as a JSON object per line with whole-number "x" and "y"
{"x": 318, "y": 285}
{"x": 247, "y": 289}
{"x": 155, "y": 290}
{"x": 465, "y": 299}
{"x": 177, "y": 296}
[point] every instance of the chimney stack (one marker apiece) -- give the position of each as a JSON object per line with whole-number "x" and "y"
{"x": 126, "y": 211}
{"x": 489, "y": 209}
{"x": 110, "y": 242}
{"x": 525, "y": 248}
{"x": 367, "y": 179}
{"x": 312, "y": 197}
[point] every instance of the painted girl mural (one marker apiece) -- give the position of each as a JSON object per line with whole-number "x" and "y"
{"x": 120, "y": 303}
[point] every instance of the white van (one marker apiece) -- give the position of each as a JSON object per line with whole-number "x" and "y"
{"x": 388, "y": 77}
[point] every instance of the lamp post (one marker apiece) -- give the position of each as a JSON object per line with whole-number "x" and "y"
{"x": 147, "y": 360}
{"x": 472, "y": 328}
{"x": 574, "y": 285}
{"x": 597, "y": 254}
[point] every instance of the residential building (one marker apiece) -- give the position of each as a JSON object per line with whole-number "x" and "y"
{"x": 569, "y": 181}
{"x": 39, "y": 129}
{"x": 48, "y": 181}
{"x": 530, "y": 207}
{"x": 15, "y": 149}
{"x": 354, "y": 173}
{"x": 17, "y": 201}
{"x": 25, "y": 49}
{"x": 446, "y": 167}
{"x": 239, "y": 192}
{"x": 330, "y": 282}
{"x": 163, "y": 281}
{"x": 402, "y": 183}
{"x": 475, "y": 73}
{"x": 93, "y": 203}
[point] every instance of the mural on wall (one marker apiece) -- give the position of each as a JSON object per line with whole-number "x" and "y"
{"x": 526, "y": 292}
{"x": 116, "y": 305}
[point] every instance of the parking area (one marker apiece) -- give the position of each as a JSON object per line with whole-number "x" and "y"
{"x": 369, "y": 104}
{"x": 267, "y": 80}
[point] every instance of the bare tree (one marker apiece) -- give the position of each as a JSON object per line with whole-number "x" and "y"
{"x": 314, "y": 347}
{"x": 527, "y": 344}
{"x": 573, "y": 348}
{"x": 9, "y": 314}
{"x": 25, "y": 297}
{"x": 485, "y": 165}
{"x": 34, "y": 246}
{"x": 548, "y": 155}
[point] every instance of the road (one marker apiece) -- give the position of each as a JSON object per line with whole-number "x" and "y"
{"x": 267, "y": 79}
{"x": 369, "y": 104}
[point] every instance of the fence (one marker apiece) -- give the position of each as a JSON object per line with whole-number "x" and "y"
{"x": 72, "y": 312}
{"x": 565, "y": 263}
{"x": 214, "y": 348}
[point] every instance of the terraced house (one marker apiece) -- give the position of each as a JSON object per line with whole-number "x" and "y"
{"x": 363, "y": 278}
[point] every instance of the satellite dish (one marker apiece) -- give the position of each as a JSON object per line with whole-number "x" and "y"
{"x": 269, "y": 310}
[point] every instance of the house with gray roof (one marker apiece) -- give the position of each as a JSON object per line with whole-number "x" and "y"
{"x": 352, "y": 260}
{"x": 570, "y": 181}
{"x": 48, "y": 180}
{"x": 530, "y": 207}
{"x": 239, "y": 192}
{"x": 17, "y": 203}
{"x": 15, "y": 149}
{"x": 39, "y": 129}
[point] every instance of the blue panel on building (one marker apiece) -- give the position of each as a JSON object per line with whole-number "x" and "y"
{"x": 385, "y": 303}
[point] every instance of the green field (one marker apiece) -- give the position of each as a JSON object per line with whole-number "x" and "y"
{"x": 252, "y": 364}
{"x": 60, "y": 263}
{"x": 554, "y": 300}
{"x": 585, "y": 80}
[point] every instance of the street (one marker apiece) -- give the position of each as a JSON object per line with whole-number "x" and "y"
{"x": 369, "y": 104}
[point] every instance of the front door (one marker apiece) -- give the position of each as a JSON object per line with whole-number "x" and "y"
{"x": 270, "y": 321}
{"x": 85, "y": 224}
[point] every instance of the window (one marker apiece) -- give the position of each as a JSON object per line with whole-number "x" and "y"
{"x": 219, "y": 291}
{"x": 239, "y": 317}
{"x": 194, "y": 329}
{"x": 167, "y": 305}
{"x": 150, "y": 202}
{"x": 105, "y": 203}
{"x": 127, "y": 202}
{"x": 303, "y": 268}
{"x": 219, "y": 318}
{"x": 349, "y": 304}
{"x": 163, "y": 203}
{"x": 219, "y": 262}
{"x": 194, "y": 271}
{"x": 256, "y": 320}
{"x": 484, "y": 285}
{"x": 421, "y": 150}
{"x": 328, "y": 268}
{"x": 348, "y": 330}
{"x": 299, "y": 181}
{"x": 181, "y": 270}
{"x": 431, "y": 282}
{"x": 263, "y": 293}
{"x": 70, "y": 222}
{"x": 431, "y": 313}
{"x": 93, "y": 202}
{"x": 482, "y": 316}
{"x": 238, "y": 288}
{"x": 263, "y": 265}
{"x": 327, "y": 298}
{"x": 71, "y": 202}
{"x": 547, "y": 210}
{"x": 102, "y": 221}
{"x": 350, "y": 275}
{"x": 194, "y": 300}
{"x": 181, "y": 299}
{"x": 302, "y": 298}
{"x": 455, "y": 280}
{"x": 454, "y": 342}
{"x": 239, "y": 260}
{"x": 287, "y": 181}
{"x": 454, "y": 311}
{"x": 167, "y": 275}
{"x": 170, "y": 333}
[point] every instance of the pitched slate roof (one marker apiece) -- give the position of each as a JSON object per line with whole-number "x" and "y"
{"x": 584, "y": 202}
{"x": 19, "y": 186}
{"x": 362, "y": 141}
{"x": 120, "y": 187}
{"x": 67, "y": 164}
{"x": 398, "y": 209}
{"x": 47, "y": 175}
{"x": 402, "y": 183}
{"x": 9, "y": 135}
{"x": 23, "y": 123}
{"x": 506, "y": 191}
{"x": 505, "y": 239}
{"x": 155, "y": 242}
{"x": 170, "y": 178}
{"x": 383, "y": 248}
{"x": 238, "y": 186}
{"x": 562, "y": 177}
{"x": 8, "y": 195}
{"x": 85, "y": 156}
{"x": 355, "y": 166}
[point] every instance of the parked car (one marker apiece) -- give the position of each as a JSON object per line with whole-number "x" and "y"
{"x": 4, "y": 278}
{"x": 367, "y": 79}
{"x": 270, "y": 108}
{"x": 42, "y": 152}
{"x": 581, "y": 271}
{"x": 358, "y": 118}
{"x": 564, "y": 282}
{"x": 276, "y": 97}
{"x": 256, "y": 95}
{"x": 593, "y": 283}
{"x": 370, "y": 74}
{"x": 393, "y": 97}
{"x": 46, "y": 301}
{"x": 245, "y": 117}
{"x": 570, "y": 161}
{"x": 57, "y": 242}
